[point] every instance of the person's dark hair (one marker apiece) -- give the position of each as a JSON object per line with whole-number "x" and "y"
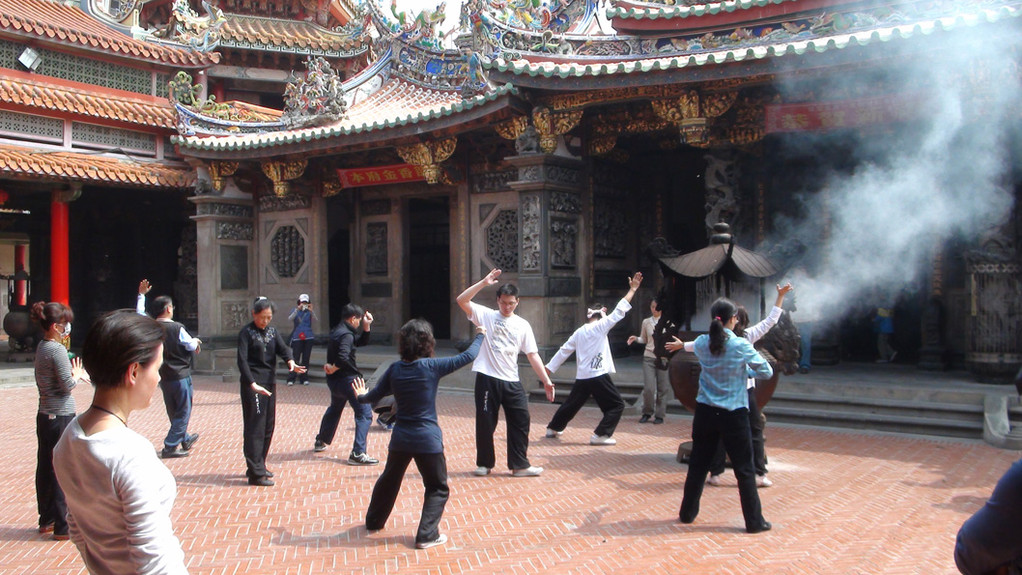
{"x": 721, "y": 311}
{"x": 47, "y": 314}
{"x": 657, "y": 304}
{"x": 415, "y": 340}
{"x": 507, "y": 289}
{"x": 117, "y": 340}
{"x": 593, "y": 305}
{"x": 352, "y": 310}
{"x": 161, "y": 303}
{"x": 743, "y": 321}
{"x": 261, "y": 304}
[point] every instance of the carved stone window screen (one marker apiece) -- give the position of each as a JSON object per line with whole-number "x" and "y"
{"x": 287, "y": 251}
{"x": 502, "y": 240}
{"x": 376, "y": 249}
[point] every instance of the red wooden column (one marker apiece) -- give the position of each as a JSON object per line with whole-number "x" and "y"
{"x": 20, "y": 285}
{"x": 60, "y": 261}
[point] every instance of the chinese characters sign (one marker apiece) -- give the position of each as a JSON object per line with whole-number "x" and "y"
{"x": 379, "y": 175}
{"x": 823, "y": 116}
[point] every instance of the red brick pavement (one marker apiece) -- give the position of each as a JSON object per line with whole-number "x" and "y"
{"x": 842, "y": 502}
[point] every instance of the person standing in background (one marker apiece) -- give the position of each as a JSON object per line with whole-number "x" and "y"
{"x": 179, "y": 349}
{"x": 302, "y": 338}
{"x": 55, "y": 376}
{"x": 655, "y": 382}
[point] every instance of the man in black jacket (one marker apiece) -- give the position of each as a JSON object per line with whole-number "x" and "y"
{"x": 341, "y": 371}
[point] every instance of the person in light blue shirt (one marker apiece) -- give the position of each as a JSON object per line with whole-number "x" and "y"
{"x": 722, "y": 412}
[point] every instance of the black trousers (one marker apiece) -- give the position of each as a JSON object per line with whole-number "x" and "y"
{"x": 710, "y": 425}
{"x": 49, "y": 495}
{"x": 491, "y": 394}
{"x": 756, "y": 424}
{"x": 433, "y": 469}
{"x": 260, "y": 417}
{"x": 301, "y": 349}
{"x": 602, "y": 389}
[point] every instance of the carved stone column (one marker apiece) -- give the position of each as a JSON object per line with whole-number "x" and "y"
{"x": 551, "y": 257}
{"x": 225, "y": 252}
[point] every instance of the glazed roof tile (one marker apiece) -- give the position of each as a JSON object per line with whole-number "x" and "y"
{"x": 91, "y": 168}
{"x": 255, "y": 32}
{"x": 56, "y": 95}
{"x": 69, "y": 25}
{"x": 396, "y": 103}
{"x": 654, "y": 11}
{"x": 818, "y": 44}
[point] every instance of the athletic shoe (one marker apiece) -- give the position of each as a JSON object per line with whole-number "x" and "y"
{"x": 481, "y": 471}
{"x": 189, "y": 441}
{"x": 48, "y": 528}
{"x": 173, "y": 453}
{"x": 290, "y": 383}
{"x": 658, "y": 421}
{"x": 762, "y": 481}
{"x": 427, "y": 544}
{"x": 531, "y": 471}
{"x": 319, "y": 446}
{"x": 715, "y": 481}
{"x": 61, "y": 536}
{"x": 602, "y": 440}
{"x": 645, "y": 418}
{"x": 362, "y": 459}
{"x": 552, "y": 434}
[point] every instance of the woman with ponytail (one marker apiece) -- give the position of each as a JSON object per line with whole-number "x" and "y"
{"x": 722, "y": 413}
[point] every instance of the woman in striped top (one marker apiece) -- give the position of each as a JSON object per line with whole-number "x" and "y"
{"x": 55, "y": 375}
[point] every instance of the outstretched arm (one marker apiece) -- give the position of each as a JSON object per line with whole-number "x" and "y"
{"x": 466, "y": 296}
{"x": 781, "y": 292}
{"x": 633, "y": 284}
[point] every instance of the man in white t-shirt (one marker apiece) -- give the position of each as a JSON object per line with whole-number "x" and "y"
{"x": 497, "y": 382}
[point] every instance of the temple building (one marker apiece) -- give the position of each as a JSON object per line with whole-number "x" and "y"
{"x": 356, "y": 152}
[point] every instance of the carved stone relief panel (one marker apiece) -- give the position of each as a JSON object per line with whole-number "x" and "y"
{"x": 563, "y": 246}
{"x": 233, "y": 316}
{"x": 376, "y": 249}
{"x": 565, "y": 202}
{"x": 502, "y": 240}
{"x": 610, "y": 227}
{"x": 284, "y": 203}
{"x": 532, "y": 234}
{"x": 233, "y": 267}
{"x": 218, "y": 209}
{"x": 287, "y": 251}
{"x": 241, "y": 231}
{"x": 564, "y": 319}
{"x": 375, "y": 207}
{"x": 488, "y": 182}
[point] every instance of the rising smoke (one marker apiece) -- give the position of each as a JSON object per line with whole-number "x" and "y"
{"x": 912, "y": 188}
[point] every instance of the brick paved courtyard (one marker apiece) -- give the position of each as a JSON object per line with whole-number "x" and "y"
{"x": 842, "y": 502}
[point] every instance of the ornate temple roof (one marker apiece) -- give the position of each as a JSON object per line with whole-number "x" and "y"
{"x": 33, "y": 92}
{"x": 66, "y": 25}
{"x": 258, "y": 33}
{"x": 16, "y": 161}
{"x": 638, "y": 9}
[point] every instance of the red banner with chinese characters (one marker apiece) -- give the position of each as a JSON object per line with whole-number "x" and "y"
{"x": 823, "y": 116}
{"x": 379, "y": 175}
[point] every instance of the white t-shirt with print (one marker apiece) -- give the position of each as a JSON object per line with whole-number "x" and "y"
{"x": 506, "y": 337}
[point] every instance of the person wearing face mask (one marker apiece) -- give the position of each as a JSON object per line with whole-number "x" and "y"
{"x": 259, "y": 346}
{"x": 55, "y": 375}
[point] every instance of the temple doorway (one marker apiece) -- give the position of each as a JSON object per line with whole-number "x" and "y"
{"x": 429, "y": 262}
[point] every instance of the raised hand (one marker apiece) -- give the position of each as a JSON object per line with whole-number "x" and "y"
{"x": 144, "y": 286}
{"x": 358, "y": 385}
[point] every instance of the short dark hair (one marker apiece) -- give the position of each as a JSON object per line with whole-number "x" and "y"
{"x": 658, "y": 304}
{"x": 415, "y": 340}
{"x": 161, "y": 303}
{"x": 47, "y": 314}
{"x": 352, "y": 310}
{"x": 116, "y": 341}
{"x": 261, "y": 304}
{"x": 507, "y": 289}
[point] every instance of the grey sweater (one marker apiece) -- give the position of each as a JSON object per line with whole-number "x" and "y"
{"x": 53, "y": 376}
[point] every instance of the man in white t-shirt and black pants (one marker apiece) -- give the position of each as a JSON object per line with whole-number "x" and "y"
{"x": 497, "y": 382}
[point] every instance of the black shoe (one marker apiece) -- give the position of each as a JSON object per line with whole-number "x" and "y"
{"x": 269, "y": 473}
{"x": 260, "y": 481}
{"x": 173, "y": 453}
{"x": 189, "y": 441}
{"x": 319, "y": 446}
{"x": 658, "y": 421}
{"x": 765, "y": 526}
{"x": 645, "y": 418}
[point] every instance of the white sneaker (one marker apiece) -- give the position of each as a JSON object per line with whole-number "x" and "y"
{"x": 552, "y": 433}
{"x": 481, "y": 471}
{"x": 427, "y": 544}
{"x": 715, "y": 481}
{"x": 602, "y": 440}
{"x": 532, "y": 471}
{"x": 762, "y": 481}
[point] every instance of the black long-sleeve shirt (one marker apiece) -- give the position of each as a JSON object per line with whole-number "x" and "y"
{"x": 340, "y": 351}
{"x": 258, "y": 350}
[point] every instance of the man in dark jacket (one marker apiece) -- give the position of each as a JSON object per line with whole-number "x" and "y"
{"x": 341, "y": 370}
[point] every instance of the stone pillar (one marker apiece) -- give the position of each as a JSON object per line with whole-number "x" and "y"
{"x": 225, "y": 255}
{"x": 552, "y": 258}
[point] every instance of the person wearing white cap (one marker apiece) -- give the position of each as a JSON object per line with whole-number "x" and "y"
{"x": 301, "y": 337}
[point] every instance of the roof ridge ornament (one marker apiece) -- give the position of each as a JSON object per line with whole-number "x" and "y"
{"x": 316, "y": 98}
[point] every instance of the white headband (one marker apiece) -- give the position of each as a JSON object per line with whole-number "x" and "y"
{"x": 591, "y": 312}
